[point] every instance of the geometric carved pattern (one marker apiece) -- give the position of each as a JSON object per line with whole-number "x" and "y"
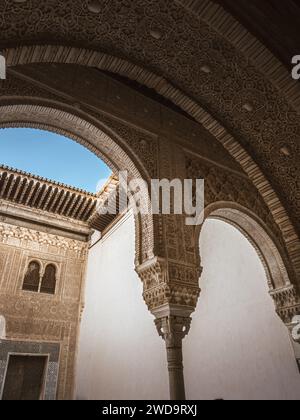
{"x": 95, "y": 140}
{"x": 41, "y": 317}
{"x": 287, "y": 302}
{"x": 9, "y": 233}
{"x": 289, "y": 233}
{"x": 182, "y": 42}
{"x": 222, "y": 185}
{"x": 233, "y": 76}
{"x": 169, "y": 283}
{"x": 183, "y": 35}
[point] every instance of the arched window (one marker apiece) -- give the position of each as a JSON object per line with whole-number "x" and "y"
{"x": 49, "y": 280}
{"x": 32, "y": 277}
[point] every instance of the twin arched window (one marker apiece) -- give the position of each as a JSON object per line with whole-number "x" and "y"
{"x": 49, "y": 280}
{"x": 32, "y": 277}
{"x": 34, "y": 281}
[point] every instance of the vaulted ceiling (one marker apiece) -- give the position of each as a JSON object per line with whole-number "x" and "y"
{"x": 274, "y": 22}
{"x": 170, "y": 39}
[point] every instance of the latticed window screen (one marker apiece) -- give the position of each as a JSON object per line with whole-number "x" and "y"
{"x": 32, "y": 277}
{"x": 49, "y": 280}
{"x": 34, "y": 282}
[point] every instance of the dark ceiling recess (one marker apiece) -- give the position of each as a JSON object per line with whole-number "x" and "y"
{"x": 149, "y": 93}
{"x": 276, "y": 23}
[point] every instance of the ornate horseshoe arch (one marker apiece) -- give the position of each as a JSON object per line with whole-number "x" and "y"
{"x": 198, "y": 57}
{"x": 277, "y": 268}
{"x": 178, "y": 299}
{"x": 70, "y": 55}
{"x": 99, "y": 139}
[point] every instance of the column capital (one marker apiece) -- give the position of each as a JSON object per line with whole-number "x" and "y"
{"x": 173, "y": 329}
{"x": 295, "y": 329}
{"x": 287, "y": 302}
{"x": 171, "y": 292}
{"x": 169, "y": 283}
{"x": 173, "y": 323}
{"x": 294, "y": 332}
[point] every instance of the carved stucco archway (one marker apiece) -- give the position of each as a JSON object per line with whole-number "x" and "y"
{"x": 99, "y": 139}
{"x": 172, "y": 319}
{"x": 222, "y": 23}
{"x": 284, "y": 293}
{"x": 91, "y": 58}
{"x": 277, "y": 268}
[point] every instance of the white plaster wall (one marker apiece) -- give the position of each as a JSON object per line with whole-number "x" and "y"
{"x": 237, "y": 347}
{"x": 120, "y": 354}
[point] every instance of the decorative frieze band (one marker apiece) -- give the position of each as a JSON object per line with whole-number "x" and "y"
{"x": 10, "y": 233}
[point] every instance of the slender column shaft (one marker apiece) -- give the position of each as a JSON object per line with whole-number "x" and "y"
{"x": 173, "y": 329}
{"x": 172, "y": 305}
{"x": 176, "y": 376}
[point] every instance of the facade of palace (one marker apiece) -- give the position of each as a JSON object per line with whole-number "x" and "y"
{"x": 45, "y": 232}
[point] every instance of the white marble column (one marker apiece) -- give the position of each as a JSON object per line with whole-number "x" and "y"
{"x": 173, "y": 324}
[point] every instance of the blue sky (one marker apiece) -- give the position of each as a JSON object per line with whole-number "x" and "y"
{"x": 52, "y": 156}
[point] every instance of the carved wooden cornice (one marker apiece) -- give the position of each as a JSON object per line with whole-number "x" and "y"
{"x": 39, "y": 193}
{"x": 108, "y": 199}
{"x": 36, "y": 193}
